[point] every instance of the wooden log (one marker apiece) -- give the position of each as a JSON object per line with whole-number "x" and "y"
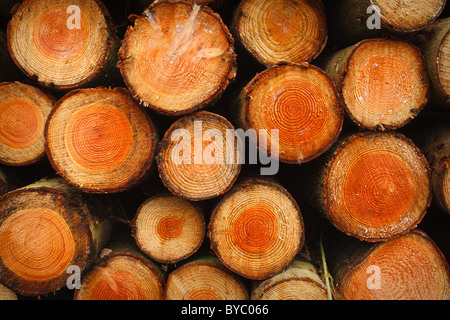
{"x": 141, "y": 5}
{"x": 168, "y": 228}
{"x": 433, "y": 138}
{"x": 24, "y": 110}
{"x": 100, "y": 140}
{"x": 384, "y": 83}
{"x": 122, "y": 272}
{"x": 198, "y": 157}
{"x": 300, "y": 102}
{"x": 435, "y": 44}
{"x": 281, "y": 30}
{"x": 45, "y": 228}
{"x": 204, "y": 278}
{"x": 257, "y": 229}
{"x": 408, "y": 267}
{"x": 64, "y": 44}
{"x": 178, "y": 57}
{"x": 370, "y": 185}
{"x": 354, "y": 20}
{"x": 408, "y": 17}
{"x": 7, "y": 294}
{"x": 299, "y": 281}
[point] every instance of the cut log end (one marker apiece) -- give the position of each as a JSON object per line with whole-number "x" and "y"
{"x": 299, "y": 281}
{"x": 410, "y": 16}
{"x": 194, "y": 158}
{"x": 168, "y": 228}
{"x": 377, "y": 186}
{"x": 257, "y": 229}
{"x": 301, "y": 103}
{"x": 202, "y": 280}
{"x": 61, "y": 44}
{"x": 43, "y": 231}
{"x": 295, "y": 289}
{"x": 23, "y": 112}
{"x": 178, "y": 57}
{"x": 100, "y": 140}
{"x": 30, "y": 234}
{"x": 434, "y": 142}
{"x": 282, "y": 30}
{"x": 121, "y": 277}
{"x": 386, "y": 84}
{"x": 409, "y": 267}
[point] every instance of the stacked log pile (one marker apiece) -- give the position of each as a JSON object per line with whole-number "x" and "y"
{"x": 234, "y": 150}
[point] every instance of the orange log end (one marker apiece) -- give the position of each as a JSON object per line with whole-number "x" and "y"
{"x": 121, "y": 277}
{"x": 377, "y": 186}
{"x": 409, "y": 267}
{"x": 299, "y": 102}
{"x": 257, "y": 229}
